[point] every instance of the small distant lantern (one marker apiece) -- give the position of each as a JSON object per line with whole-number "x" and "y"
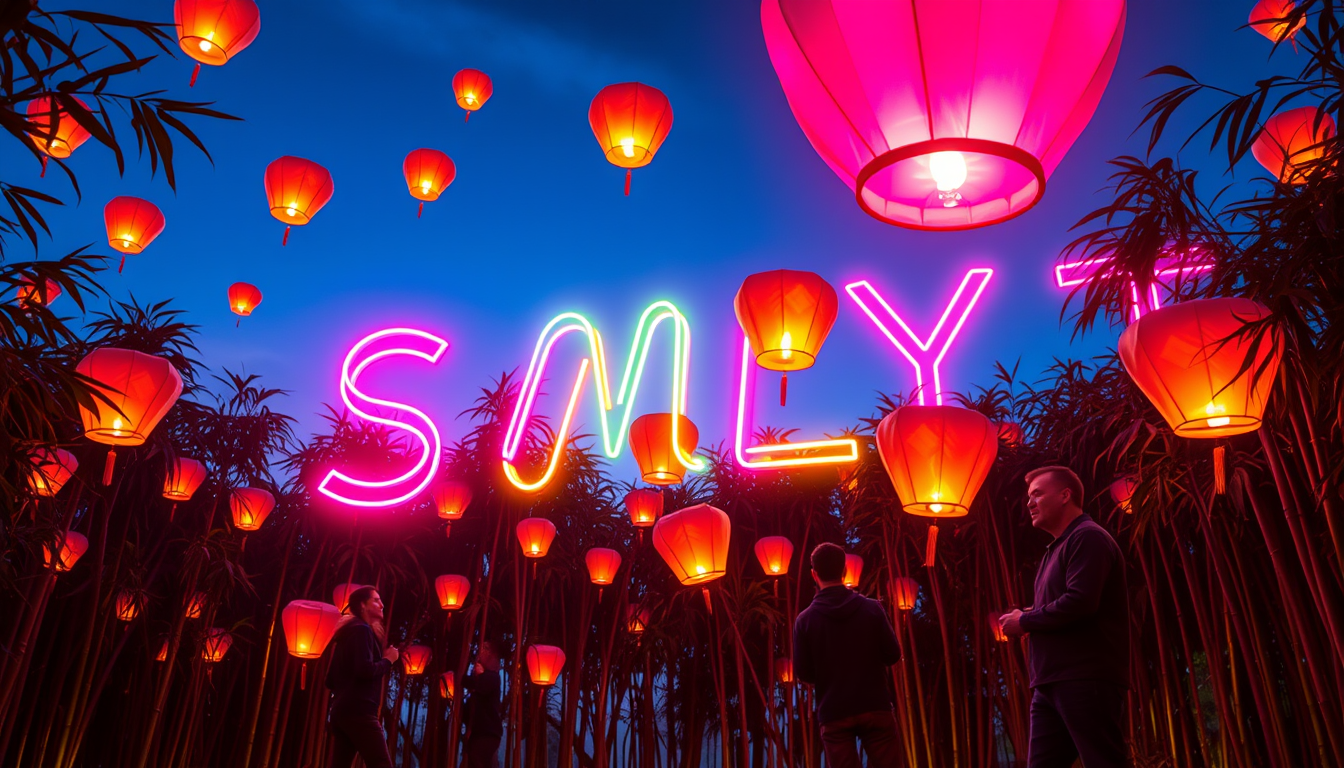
{"x": 415, "y": 659}
{"x": 140, "y": 388}
{"x": 196, "y": 605}
{"x": 694, "y": 543}
{"x": 73, "y": 546}
{"x": 39, "y": 293}
{"x": 243, "y": 300}
{"x": 451, "y": 499}
{"x": 214, "y": 31}
{"x": 297, "y": 189}
{"x": 630, "y": 122}
{"x": 309, "y": 626}
{"x": 786, "y": 315}
{"x": 215, "y": 645}
{"x": 651, "y": 442}
{"x": 128, "y": 605}
{"x": 996, "y": 627}
{"x": 452, "y": 590}
{"x": 446, "y": 685}
{"x": 162, "y": 655}
{"x": 535, "y": 535}
{"x": 1270, "y": 18}
{"x": 1122, "y": 492}
{"x": 132, "y": 224}
{"x": 784, "y": 670}
{"x": 56, "y": 135}
{"x": 637, "y": 619}
{"x": 183, "y": 478}
{"x": 1292, "y": 141}
{"x": 645, "y": 507}
{"x": 544, "y": 663}
{"x": 250, "y": 507}
{"x": 774, "y": 554}
{"x": 52, "y": 469}
{"x": 472, "y": 88}
{"x": 428, "y": 173}
{"x": 1010, "y": 434}
{"x": 340, "y": 596}
{"x": 853, "y": 571}
{"x": 906, "y": 592}
{"x": 603, "y": 564}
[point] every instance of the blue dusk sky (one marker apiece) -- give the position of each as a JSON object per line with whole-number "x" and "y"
{"x": 535, "y": 223}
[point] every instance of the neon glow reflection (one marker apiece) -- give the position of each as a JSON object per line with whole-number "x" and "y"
{"x": 1079, "y": 272}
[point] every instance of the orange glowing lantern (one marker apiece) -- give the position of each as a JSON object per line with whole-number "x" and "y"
{"x": 214, "y": 31}
{"x": 651, "y": 442}
{"x": 132, "y": 224}
{"x": 196, "y": 605}
{"x": 428, "y": 174}
{"x": 1292, "y": 142}
{"x": 340, "y": 596}
{"x": 215, "y": 645}
{"x": 996, "y": 627}
{"x": 250, "y": 507}
{"x": 451, "y": 499}
{"x": 183, "y": 478}
{"x": 694, "y": 543}
{"x": 243, "y": 300}
{"x": 937, "y": 457}
{"x": 73, "y": 546}
{"x": 906, "y": 592}
{"x": 162, "y": 655}
{"x": 309, "y": 626}
{"x": 52, "y": 469}
{"x": 535, "y": 535}
{"x": 446, "y": 685}
{"x": 452, "y": 590}
{"x": 1122, "y": 492}
{"x": 1270, "y": 18}
{"x": 786, "y": 315}
{"x": 415, "y": 659}
{"x": 472, "y": 88}
{"x": 37, "y": 294}
{"x": 784, "y": 670}
{"x": 128, "y": 605}
{"x": 1010, "y": 434}
{"x": 54, "y": 130}
{"x": 297, "y": 189}
{"x": 630, "y": 121}
{"x": 140, "y": 389}
{"x": 603, "y": 563}
{"x": 645, "y": 507}
{"x": 853, "y": 571}
{"x": 544, "y": 663}
{"x": 774, "y": 554}
{"x": 637, "y": 619}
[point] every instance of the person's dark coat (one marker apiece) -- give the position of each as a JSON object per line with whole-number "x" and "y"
{"x": 843, "y": 644}
{"x": 355, "y": 677}
{"x": 483, "y": 717}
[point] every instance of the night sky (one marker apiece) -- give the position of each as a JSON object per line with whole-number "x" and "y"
{"x": 535, "y": 223}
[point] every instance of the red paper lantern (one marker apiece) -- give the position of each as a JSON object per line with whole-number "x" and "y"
{"x": 1269, "y": 18}
{"x": 786, "y": 315}
{"x": 784, "y": 670}
{"x": 428, "y": 173}
{"x": 162, "y": 655}
{"x": 340, "y": 596}
{"x": 214, "y": 31}
{"x": 937, "y": 457}
{"x": 73, "y": 546}
{"x": 141, "y": 387}
{"x": 1292, "y": 141}
{"x": 56, "y": 135}
{"x": 694, "y": 543}
{"x": 644, "y": 506}
{"x": 1182, "y": 358}
{"x": 446, "y": 685}
{"x": 196, "y": 605}
{"x": 774, "y": 554}
{"x": 535, "y": 535}
{"x": 1010, "y": 434}
{"x": 52, "y": 469}
{"x": 906, "y": 592}
{"x": 472, "y": 88}
{"x": 544, "y": 663}
{"x": 452, "y": 590}
{"x": 415, "y": 659}
{"x": 451, "y": 499}
{"x": 942, "y": 115}
{"x": 1122, "y": 492}
{"x": 637, "y": 619}
{"x": 853, "y": 571}
{"x": 128, "y": 605}
{"x": 651, "y": 437}
{"x": 309, "y": 626}
{"x": 996, "y": 627}
{"x": 132, "y": 224}
{"x": 216, "y": 643}
{"x": 603, "y": 564}
{"x": 297, "y": 189}
{"x": 243, "y": 300}
{"x": 183, "y": 478}
{"x": 34, "y": 294}
{"x": 630, "y": 122}
{"x": 250, "y": 507}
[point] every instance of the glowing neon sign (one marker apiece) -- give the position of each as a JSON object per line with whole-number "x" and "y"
{"x": 408, "y": 485}
{"x": 1079, "y": 272}
{"x": 612, "y": 439}
{"x": 920, "y": 353}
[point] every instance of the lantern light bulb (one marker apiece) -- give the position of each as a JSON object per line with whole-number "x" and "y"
{"x": 535, "y": 549}
{"x": 128, "y": 239}
{"x": 628, "y": 146}
{"x": 700, "y": 570}
{"x": 786, "y": 344}
{"x": 471, "y": 98}
{"x": 116, "y": 426}
{"x": 425, "y": 185}
{"x": 291, "y": 210}
{"x": 206, "y": 44}
{"x": 949, "y": 173}
{"x": 1216, "y": 421}
{"x": 774, "y": 569}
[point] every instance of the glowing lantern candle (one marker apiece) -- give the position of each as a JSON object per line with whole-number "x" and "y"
{"x": 415, "y": 659}
{"x": 942, "y": 115}
{"x": 694, "y": 543}
{"x": 644, "y": 507}
{"x": 630, "y": 121}
{"x": 162, "y": 655}
{"x": 906, "y": 592}
{"x": 452, "y": 590}
{"x": 52, "y": 469}
{"x": 603, "y": 564}
{"x": 243, "y": 300}
{"x": 937, "y": 457}
{"x": 428, "y": 173}
{"x": 535, "y": 535}
{"x": 309, "y": 626}
{"x": 297, "y": 189}
{"x": 1292, "y": 141}
{"x": 853, "y": 571}
{"x": 774, "y": 554}
{"x": 544, "y": 663}
{"x": 451, "y": 499}
{"x": 250, "y": 507}
{"x": 128, "y": 605}
{"x": 1270, "y": 18}
{"x": 637, "y": 619}
{"x": 340, "y": 596}
{"x": 472, "y": 88}
{"x": 132, "y": 224}
{"x": 214, "y": 31}
{"x": 141, "y": 387}
{"x": 33, "y": 294}
{"x": 56, "y": 135}
{"x": 446, "y": 685}
{"x": 786, "y": 315}
{"x": 215, "y": 645}
{"x": 73, "y": 546}
{"x": 1122, "y": 492}
{"x": 784, "y": 670}
{"x": 196, "y": 605}
{"x": 651, "y": 442}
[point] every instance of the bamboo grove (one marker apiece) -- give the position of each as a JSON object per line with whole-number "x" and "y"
{"x": 1236, "y": 597}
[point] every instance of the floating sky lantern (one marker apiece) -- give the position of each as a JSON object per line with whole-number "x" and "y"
{"x": 452, "y": 590}
{"x": 52, "y": 469}
{"x": 446, "y": 685}
{"x": 340, "y": 596}
{"x": 905, "y": 590}
{"x": 214, "y": 31}
{"x": 1122, "y": 492}
{"x": 57, "y": 134}
{"x": 140, "y": 389}
{"x": 250, "y": 507}
{"x": 127, "y": 605}
{"x": 651, "y": 442}
{"x": 309, "y": 626}
{"x": 1292, "y": 141}
{"x": 472, "y": 88}
{"x": 243, "y": 300}
{"x": 544, "y": 663}
{"x": 297, "y": 189}
{"x": 415, "y": 659}
{"x": 1270, "y": 18}
{"x": 637, "y": 618}
{"x": 853, "y": 571}
{"x": 162, "y": 655}
{"x": 630, "y": 121}
{"x": 644, "y": 506}
{"x": 942, "y": 115}
{"x": 774, "y": 554}
{"x": 73, "y": 546}
{"x": 694, "y": 543}
{"x": 937, "y": 457}
{"x": 428, "y": 174}
{"x": 451, "y": 499}
{"x": 132, "y": 224}
{"x": 535, "y": 535}
{"x": 786, "y": 315}
{"x": 38, "y": 293}
{"x": 784, "y": 670}
{"x": 603, "y": 564}
{"x": 215, "y": 645}
{"x": 183, "y": 478}
{"x": 196, "y": 605}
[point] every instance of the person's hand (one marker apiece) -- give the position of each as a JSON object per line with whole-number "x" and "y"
{"x": 1011, "y": 624}
{"x": 477, "y": 669}
{"x": 392, "y": 654}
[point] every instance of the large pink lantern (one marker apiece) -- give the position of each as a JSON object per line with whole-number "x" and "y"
{"x": 940, "y": 114}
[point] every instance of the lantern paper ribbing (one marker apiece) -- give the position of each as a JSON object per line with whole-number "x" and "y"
{"x": 142, "y": 387}
{"x": 428, "y": 173}
{"x": 1182, "y": 357}
{"x": 452, "y": 590}
{"x": 937, "y": 456}
{"x": 415, "y": 659}
{"x": 183, "y": 478}
{"x": 1292, "y": 141}
{"x": 52, "y": 469}
{"x": 853, "y": 571}
{"x": 195, "y": 606}
{"x": 34, "y": 294}
{"x": 296, "y": 190}
{"x": 55, "y": 135}
{"x": 535, "y": 535}
{"x": 544, "y": 663}
{"x": 216, "y": 644}
{"x": 472, "y": 88}
{"x": 906, "y": 593}
{"x": 644, "y": 506}
{"x": 943, "y": 115}
{"x": 309, "y": 626}
{"x": 243, "y": 299}
{"x": 630, "y": 122}
{"x": 73, "y": 546}
{"x": 651, "y": 443}
{"x": 1268, "y": 17}
{"x": 446, "y": 685}
{"x": 340, "y": 596}
{"x": 774, "y": 554}
{"x": 451, "y": 499}
{"x": 694, "y": 543}
{"x": 1122, "y": 492}
{"x": 603, "y": 563}
{"x": 250, "y": 507}
{"x": 214, "y": 31}
{"x": 132, "y": 224}
{"x": 128, "y": 605}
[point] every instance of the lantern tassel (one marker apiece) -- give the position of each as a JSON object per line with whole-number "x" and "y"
{"x": 285, "y": 240}
{"x": 931, "y": 547}
{"x": 194, "y": 73}
{"x": 172, "y": 510}
{"x": 109, "y": 466}
{"x": 467, "y": 118}
{"x": 709, "y": 605}
{"x": 784, "y": 390}
{"x": 627, "y": 181}
{"x": 448, "y": 530}
{"x": 123, "y": 264}
{"x": 238, "y": 322}
{"x": 43, "y": 174}
{"x": 420, "y": 212}
{"x": 303, "y": 676}
{"x": 1220, "y": 469}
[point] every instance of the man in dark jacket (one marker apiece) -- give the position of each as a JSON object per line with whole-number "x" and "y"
{"x": 843, "y": 645}
{"x": 1079, "y": 631}
{"x": 485, "y": 727}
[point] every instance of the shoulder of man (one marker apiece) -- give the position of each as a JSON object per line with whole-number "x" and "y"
{"x": 1091, "y": 535}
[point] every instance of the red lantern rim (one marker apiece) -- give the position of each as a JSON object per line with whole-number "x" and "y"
{"x": 1007, "y": 152}
{"x": 923, "y": 509}
{"x": 662, "y": 477}
{"x": 773, "y": 360}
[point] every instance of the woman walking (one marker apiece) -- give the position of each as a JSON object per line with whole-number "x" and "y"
{"x": 355, "y": 678}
